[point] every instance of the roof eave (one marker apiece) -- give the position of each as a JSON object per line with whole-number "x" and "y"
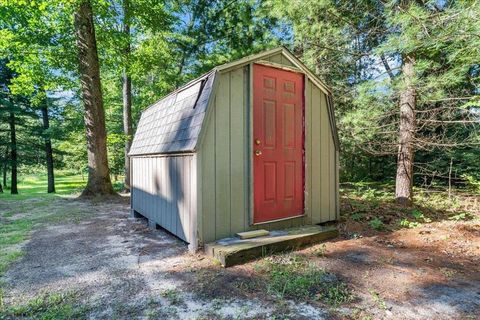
{"x": 159, "y": 154}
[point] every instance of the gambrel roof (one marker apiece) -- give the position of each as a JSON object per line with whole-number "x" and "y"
{"x": 174, "y": 123}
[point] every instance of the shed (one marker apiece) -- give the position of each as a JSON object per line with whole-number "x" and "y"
{"x": 250, "y": 145}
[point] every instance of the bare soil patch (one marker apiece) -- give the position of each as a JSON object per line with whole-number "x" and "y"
{"x": 118, "y": 268}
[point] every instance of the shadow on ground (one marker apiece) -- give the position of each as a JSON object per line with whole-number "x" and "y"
{"x": 120, "y": 268}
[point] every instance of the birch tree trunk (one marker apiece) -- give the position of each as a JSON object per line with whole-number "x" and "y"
{"x": 13, "y": 154}
{"x": 98, "y": 182}
{"x": 48, "y": 150}
{"x": 127, "y": 97}
{"x": 404, "y": 178}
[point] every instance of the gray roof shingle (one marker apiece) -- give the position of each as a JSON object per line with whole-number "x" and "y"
{"x": 173, "y": 124}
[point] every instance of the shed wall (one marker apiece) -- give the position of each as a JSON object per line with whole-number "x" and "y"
{"x": 164, "y": 190}
{"x": 225, "y": 201}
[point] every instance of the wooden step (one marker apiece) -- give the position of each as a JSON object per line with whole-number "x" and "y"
{"x": 233, "y": 251}
{"x": 252, "y": 234}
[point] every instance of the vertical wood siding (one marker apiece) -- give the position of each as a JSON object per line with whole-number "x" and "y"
{"x": 164, "y": 190}
{"x": 223, "y": 161}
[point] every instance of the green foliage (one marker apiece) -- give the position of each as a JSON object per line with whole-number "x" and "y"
{"x": 376, "y": 224}
{"x": 357, "y": 216}
{"x": 16, "y": 225}
{"x": 116, "y": 157}
{"x": 472, "y": 183}
{"x": 357, "y": 47}
{"x": 12, "y": 234}
{"x": 172, "y": 296}
{"x": 377, "y": 299}
{"x": 170, "y": 43}
{"x": 405, "y": 223}
{"x": 337, "y": 294}
{"x": 47, "y": 307}
{"x": 292, "y": 277}
{"x": 35, "y": 185}
{"x": 381, "y": 212}
{"x": 369, "y": 194}
{"x": 462, "y": 216}
{"x": 418, "y": 217}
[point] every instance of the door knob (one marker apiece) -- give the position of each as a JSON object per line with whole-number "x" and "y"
{"x": 258, "y": 152}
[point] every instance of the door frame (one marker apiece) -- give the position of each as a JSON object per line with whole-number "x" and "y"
{"x": 249, "y": 93}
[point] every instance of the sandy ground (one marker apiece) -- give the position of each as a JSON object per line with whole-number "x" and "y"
{"x": 124, "y": 270}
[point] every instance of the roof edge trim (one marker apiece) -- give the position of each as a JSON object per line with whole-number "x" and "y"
{"x": 246, "y": 60}
{"x": 208, "y": 112}
{"x": 299, "y": 64}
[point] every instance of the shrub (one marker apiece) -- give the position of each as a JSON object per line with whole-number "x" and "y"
{"x": 462, "y": 216}
{"x": 357, "y": 216}
{"x": 409, "y": 224}
{"x": 472, "y": 183}
{"x": 377, "y": 224}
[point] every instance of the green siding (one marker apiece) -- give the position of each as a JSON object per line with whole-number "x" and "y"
{"x": 308, "y": 151}
{"x": 280, "y": 59}
{"x": 223, "y": 158}
{"x": 208, "y": 192}
{"x": 316, "y": 162}
{"x": 238, "y": 145}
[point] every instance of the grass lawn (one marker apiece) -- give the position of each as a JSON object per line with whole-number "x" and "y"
{"x": 34, "y": 186}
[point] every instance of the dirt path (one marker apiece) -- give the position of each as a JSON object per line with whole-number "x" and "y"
{"x": 120, "y": 269}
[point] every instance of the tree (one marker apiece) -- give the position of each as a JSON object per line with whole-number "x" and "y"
{"x": 432, "y": 75}
{"x": 36, "y": 52}
{"x": 404, "y": 75}
{"x": 13, "y": 112}
{"x": 48, "y": 147}
{"x": 161, "y": 46}
{"x": 8, "y": 111}
{"x": 404, "y": 179}
{"x": 98, "y": 172}
{"x": 127, "y": 95}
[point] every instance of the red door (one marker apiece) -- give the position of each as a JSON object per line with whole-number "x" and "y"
{"x": 277, "y": 143}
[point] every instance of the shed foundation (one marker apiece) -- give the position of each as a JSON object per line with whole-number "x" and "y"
{"x": 233, "y": 251}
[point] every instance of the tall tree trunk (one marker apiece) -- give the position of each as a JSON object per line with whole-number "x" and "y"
{"x": 48, "y": 149}
{"x": 5, "y": 168}
{"x": 3, "y": 184}
{"x": 127, "y": 97}
{"x": 98, "y": 182}
{"x": 404, "y": 179}
{"x": 13, "y": 154}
